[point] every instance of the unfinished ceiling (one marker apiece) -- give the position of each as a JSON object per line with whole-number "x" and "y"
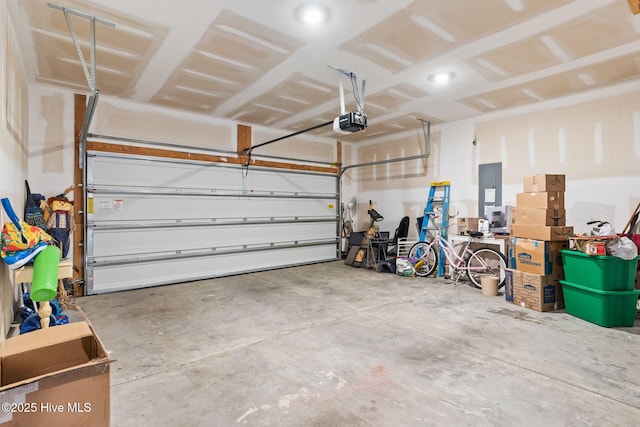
{"x": 253, "y": 62}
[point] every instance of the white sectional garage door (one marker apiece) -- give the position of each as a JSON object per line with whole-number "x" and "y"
{"x": 159, "y": 221}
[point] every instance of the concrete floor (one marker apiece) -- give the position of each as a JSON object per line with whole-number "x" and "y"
{"x": 332, "y": 345}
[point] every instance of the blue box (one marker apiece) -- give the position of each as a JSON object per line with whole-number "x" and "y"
{"x": 512, "y": 278}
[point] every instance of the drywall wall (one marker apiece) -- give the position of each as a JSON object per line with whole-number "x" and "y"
{"x": 593, "y": 139}
{"x": 51, "y": 140}
{"x": 116, "y": 117}
{"x": 399, "y": 179}
{"x": 594, "y": 142}
{"x": 13, "y": 149}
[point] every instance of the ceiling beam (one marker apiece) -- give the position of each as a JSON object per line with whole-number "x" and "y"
{"x": 635, "y": 6}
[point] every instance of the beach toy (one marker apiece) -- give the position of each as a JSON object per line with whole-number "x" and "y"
{"x": 44, "y": 286}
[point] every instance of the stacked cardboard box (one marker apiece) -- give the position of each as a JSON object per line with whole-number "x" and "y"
{"x": 468, "y": 224}
{"x": 538, "y": 232}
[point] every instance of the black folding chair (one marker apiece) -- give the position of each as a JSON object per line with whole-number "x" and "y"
{"x": 401, "y": 233}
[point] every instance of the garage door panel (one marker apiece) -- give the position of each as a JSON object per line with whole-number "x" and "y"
{"x": 132, "y": 276}
{"x": 132, "y": 241}
{"x": 165, "y": 173}
{"x": 140, "y": 172}
{"x": 125, "y": 207}
{"x": 262, "y": 181}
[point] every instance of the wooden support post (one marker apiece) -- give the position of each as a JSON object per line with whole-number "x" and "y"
{"x": 80, "y": 106}
{"x": 244, "y": 142}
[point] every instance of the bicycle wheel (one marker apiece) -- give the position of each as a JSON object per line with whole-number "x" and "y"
{"x": 424, "y": 252}
{"x": 486, "y": 262}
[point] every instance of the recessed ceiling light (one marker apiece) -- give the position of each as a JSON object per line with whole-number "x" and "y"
{"x": 312, "y": 14}
{"x": 441, "y": 78}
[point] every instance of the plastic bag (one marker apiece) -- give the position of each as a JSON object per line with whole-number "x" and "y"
{"x": 602, "y": 228}
{"x": 622, "y": 247}
{"x": 404, "y": 267}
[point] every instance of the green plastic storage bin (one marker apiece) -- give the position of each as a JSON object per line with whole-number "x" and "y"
{"x": 604, "y": 308}
{"x": 601, "y": 272}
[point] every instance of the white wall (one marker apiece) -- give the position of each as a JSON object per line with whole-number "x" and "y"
{"x": 13, "y": 149}
{"x": 596, "y": 189}
{"x": 51, "y": 140}
{"x": 606, "y": 198}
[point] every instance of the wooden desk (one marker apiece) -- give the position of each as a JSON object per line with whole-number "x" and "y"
{"x": 501, "y": 244}
{"x": 25, "y": 274}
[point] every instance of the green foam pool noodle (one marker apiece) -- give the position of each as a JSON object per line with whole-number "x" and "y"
{"x": 45, "y": 274}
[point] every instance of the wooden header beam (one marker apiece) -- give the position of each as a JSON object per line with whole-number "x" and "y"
{"x": 185, "y": 155}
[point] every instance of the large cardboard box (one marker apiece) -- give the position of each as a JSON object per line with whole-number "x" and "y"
{"x": 59, "y": 376}
{"x": 537, "y": 216}
{"x": 542, "y": 200}
{"x": 541, "y": 232}
{"x": 539, "y": 257}
{"x": 538, "y": 292}
{"x": 468, "y": 224}
{"x": 538, "y": 183}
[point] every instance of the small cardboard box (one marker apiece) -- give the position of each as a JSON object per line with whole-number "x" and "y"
{"x": 537, "y": 216}
{"x": 541, "y": 232}
{"x": 538, "y": 183}
{"x": 468, "y": 224}
{"x": 539, "y": 257}
{"x": 542, "y": 200}
{"x": 595, "y": 248}
{"x": 58, "y": 376}
{"x": 512, "y": 279}
{"x": 538, "y": 292}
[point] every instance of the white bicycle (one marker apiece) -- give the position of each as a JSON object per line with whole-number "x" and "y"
{"x": 475, "y": 263}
